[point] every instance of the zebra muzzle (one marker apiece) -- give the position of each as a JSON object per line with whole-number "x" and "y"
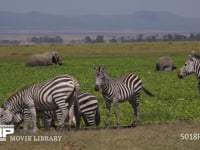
{"x": 96, "y": 88}
{"x": 180, "y": 75}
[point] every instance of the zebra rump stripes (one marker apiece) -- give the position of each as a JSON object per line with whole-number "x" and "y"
{"x": 127, "y": 87}
{"x": 89, "y": 111}
{"x": 50, "y": 95}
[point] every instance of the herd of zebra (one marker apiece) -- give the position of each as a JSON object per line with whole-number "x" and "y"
{"x": 59, "y": 99}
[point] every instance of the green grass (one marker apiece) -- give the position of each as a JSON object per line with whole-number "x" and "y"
{"x": 174, "y": 99}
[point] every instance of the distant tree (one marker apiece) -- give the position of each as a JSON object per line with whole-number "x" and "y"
{"x": 197, "y": 37}
{"x": 122, "y": 39}
{"x": 88, "y": 39}
{"x": 151, "y": 38}
{"x": 170, "y": 37}
{"x": 46, "y": 39}
{"x": 113, "y": 40}
{"x": 8, "y": 42}
{"x": 100, "y": 39}
{"x": 139, "y": 37}
{"x": 192, "y": 37}
{"x": 58, "y": 39}
{"x": 35, "y": 40}
{"x": 179, "y": 37}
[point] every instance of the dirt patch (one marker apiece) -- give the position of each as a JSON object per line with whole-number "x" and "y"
{"x": 72, "y": 146}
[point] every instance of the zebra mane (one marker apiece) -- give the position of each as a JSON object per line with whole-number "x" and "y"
{"x": 15, "y": 94}
{"x": 196, "y": 56}
{"x": 107, "y": 76}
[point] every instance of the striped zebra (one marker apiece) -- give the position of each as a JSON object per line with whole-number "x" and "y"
{"x": 192, "y": 65}
{"x": 127, "y": 87}
{"x": 50, "y": 95}
{"x": 89, "y": 111}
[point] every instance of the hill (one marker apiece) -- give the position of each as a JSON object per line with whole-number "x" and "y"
{"x": 139, "y": 21}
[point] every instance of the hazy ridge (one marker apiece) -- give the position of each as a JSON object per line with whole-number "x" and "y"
{"x": 139, "y": 21}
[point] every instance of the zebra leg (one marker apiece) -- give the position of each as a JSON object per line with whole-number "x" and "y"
{"x": 27, "y": 117}
{"x": 71, "y": 116}
{"x": 38, "y": 120}
{"x": 34, "y": 119}
{"x": 53, "y": 123}
{"x": 115, "y": 102}
{"x": 76, "y": 109}
{"x": 48, "y": 123}
{"x": 107, "y": 113}
{"x": 61, "y": 118}
{"x": 134, "y": 101}
{"x": 97, "y": 117}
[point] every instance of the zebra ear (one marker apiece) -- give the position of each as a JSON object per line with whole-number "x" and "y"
{"x": 94, "y": 67}
{"x": 190, "y": 56}
{"x": 103, "y": 67}
{"x": 192, "y": 53}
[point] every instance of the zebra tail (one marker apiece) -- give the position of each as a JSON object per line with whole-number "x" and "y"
{"x": 97, "y": 117}
{"x": 147, "y": 92}
{"x": 76, "y": 109}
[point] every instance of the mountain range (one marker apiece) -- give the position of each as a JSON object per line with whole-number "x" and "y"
{"x": 138, "y": 21}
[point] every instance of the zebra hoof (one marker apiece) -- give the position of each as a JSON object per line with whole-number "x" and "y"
{"x": 22, "y": 131}
{"x": 60, "y": 128}
{"x": 116, "y": 127}
{"x": 133, "y": 125}
{"x": 33, "y": 130}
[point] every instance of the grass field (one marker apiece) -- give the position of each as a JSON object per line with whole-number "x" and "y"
{"x": 175, "y": 101}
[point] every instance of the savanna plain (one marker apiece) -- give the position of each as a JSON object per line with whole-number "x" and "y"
{"x": 172, "y": 113}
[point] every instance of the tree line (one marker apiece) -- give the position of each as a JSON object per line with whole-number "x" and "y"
{"x": 146, "y": 38}
{"x": 46, "y": 39}
{"x": 121, "y": 39}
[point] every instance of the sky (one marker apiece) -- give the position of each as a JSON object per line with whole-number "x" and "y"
{"x": 187, "y": 8}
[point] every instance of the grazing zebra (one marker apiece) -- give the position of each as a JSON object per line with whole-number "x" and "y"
{"x": 50, "y": 95}
{"x": 89, "y": 111}
{"x": 192, "y": 65}
{"x": 127, "y": 87}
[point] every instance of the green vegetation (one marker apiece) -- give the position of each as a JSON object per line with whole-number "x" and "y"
{"x": 174, "y": 99}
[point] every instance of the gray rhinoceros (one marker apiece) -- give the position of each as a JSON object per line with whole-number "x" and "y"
{"x": 165, "y": 63}
{"x": 44, "y": 59}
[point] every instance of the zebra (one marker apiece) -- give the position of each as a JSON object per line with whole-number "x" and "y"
{"x": 127, "y": 87}
{"x": 89, "y": 110}
{"x": 50, "y": 95}
{"x": 192, "y": 65}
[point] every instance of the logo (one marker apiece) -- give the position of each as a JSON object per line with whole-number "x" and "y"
{"x": 5, "y": 130}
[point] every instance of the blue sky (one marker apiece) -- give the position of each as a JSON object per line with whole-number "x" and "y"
{"x": 188, "y": 8}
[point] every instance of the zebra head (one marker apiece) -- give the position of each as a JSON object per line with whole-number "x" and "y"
{"x": 6, "y": 116}
{"x": 188, "y": 67}
{"x": 99, "y": 77}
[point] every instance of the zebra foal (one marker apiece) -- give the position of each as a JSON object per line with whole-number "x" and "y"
{"x": 50, "y": 95}
{"x": 127, "y": 87}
